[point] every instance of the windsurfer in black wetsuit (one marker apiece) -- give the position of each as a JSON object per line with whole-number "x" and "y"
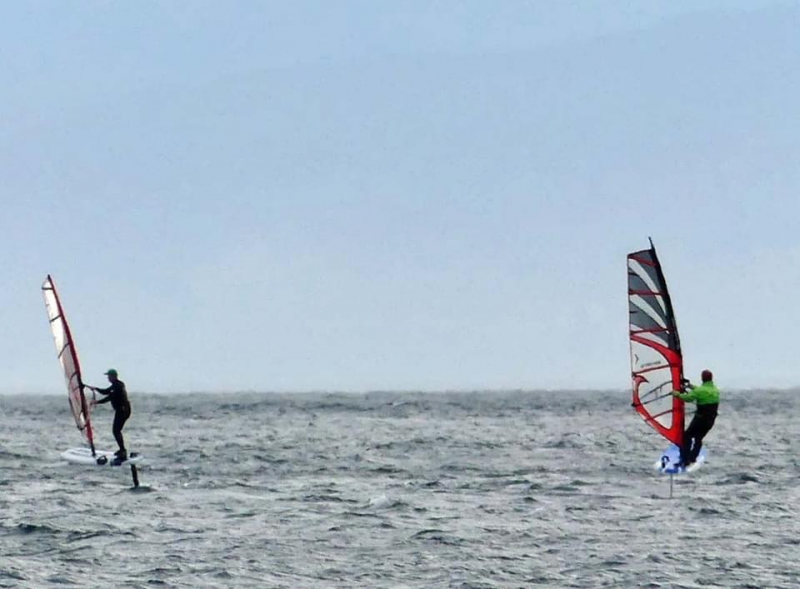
{"x": 118, "y": 397}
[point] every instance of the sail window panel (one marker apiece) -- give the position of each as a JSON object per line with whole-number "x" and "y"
{"x": 648, "y": 274}
{"x": 59, "y": 335}
{"x": 645, "y": 358}
{"x": 645, "y": 314}
{"x": 657, "y": 338}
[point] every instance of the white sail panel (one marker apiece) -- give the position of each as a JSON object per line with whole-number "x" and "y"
{"x": 68, "y": 358}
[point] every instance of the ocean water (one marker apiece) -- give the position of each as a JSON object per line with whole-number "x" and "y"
{"x": 457, "y": 490}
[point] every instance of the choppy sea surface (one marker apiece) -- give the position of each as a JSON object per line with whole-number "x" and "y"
{"x": 457, "y": 490}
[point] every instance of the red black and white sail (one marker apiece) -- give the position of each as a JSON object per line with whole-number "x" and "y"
{"x": 68, "y": 357}
{"x": 656, "y": 359}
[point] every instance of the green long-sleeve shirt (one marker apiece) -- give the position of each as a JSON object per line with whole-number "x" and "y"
{"x": 705, "y": 394}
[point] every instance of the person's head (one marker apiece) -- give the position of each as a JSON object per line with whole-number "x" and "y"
{"x": 111, "y": 374}
{"x": 707, "y": 376}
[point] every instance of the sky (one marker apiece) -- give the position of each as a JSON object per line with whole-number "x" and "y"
{"x": 358, "y": 195}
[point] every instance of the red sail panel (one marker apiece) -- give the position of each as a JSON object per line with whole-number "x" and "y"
{"x": 68, "y": 357}
{"x": 656, "y": 359}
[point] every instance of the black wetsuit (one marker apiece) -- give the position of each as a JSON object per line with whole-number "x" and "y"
{"x": 122, "y": 408}
{"x": 701, "y": 424}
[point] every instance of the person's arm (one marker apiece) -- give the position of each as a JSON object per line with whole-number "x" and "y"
{"x": 106, "y": 400}
{"x": 682, "y": 394}
{"x": 105, "y": 391}
{"x": 690, "y": 396}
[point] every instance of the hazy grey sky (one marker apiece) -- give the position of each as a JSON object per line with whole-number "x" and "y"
{"x": 409, "y": 195}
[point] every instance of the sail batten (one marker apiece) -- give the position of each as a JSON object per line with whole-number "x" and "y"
{"x": 68, "y": 358}
{"x": 656, "y": 358}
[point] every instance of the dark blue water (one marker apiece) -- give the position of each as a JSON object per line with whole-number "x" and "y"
{"x": 472, "y": 490}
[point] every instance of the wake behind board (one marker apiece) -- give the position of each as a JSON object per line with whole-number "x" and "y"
{"x": 101, "y": 458}
{"x": 666, "y": 464}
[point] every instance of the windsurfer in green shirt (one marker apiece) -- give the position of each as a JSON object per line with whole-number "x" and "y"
{"x": 706, "y": 397}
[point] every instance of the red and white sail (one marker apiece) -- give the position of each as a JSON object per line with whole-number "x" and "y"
{"x": 656, "y": 359}
{"x": 68, "y": 357}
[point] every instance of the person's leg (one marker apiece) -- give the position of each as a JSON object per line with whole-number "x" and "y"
{"x": 704, "y": 426}
{"x": 688, "y": 439}
{"x": 120, "y": 417}
{"x": 696, "y": 447}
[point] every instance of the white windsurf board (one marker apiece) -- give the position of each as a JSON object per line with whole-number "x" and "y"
{"x": 101, "y": 457}
{"x": 670, "y": 457}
